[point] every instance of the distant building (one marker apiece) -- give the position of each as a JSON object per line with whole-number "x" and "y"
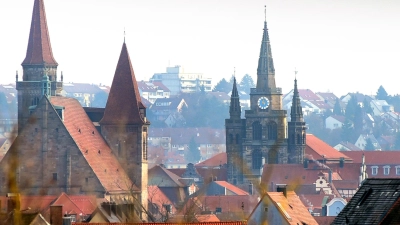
{"x": 177, "y": 81}
{"x": 85, "y": 93}
{"x": 151, "y": 91}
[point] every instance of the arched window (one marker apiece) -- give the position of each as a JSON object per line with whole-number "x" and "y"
{"x": 237, "y": 139}
{"x": 272, "y": 131}
{"x": 257, "y": 159}
{"x": 299, "y": 138}
{"x": 257, "y": 131}
{"x": 230, "y": 139}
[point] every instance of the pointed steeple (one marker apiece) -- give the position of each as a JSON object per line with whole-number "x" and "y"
{"x": 235, "y": 108}
{"x": 39, "y": 48}
{"x": 124, "y": 105}
{"x": 266, "y": 70}
{"x": 296, "y": 110}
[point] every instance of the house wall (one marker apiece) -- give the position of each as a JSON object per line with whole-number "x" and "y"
{"x": 261, "y": 216}
{"x": 332, "y": 123}
{"x": 335, "y": 208}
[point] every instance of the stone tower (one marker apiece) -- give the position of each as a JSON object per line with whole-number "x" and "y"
{"x": 39, "y": 61}
{"x": 124, "y": 125}
{"x": 234, "y": 136}
{"x": 296, "y": 130}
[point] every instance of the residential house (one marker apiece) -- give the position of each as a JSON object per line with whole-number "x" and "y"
{"x": 380, "y": 107}
{"x": 169, "y": 111}
{"x": 281, "y": 207}
{"x": 334, "y": 207}
{"x": 362, "y": 142}
{"x": 153, "y": 90}
{"x": 359, "y": 98}
{"x": 334, "y": 122}
{"x": 376, "y": 202}
{"x": 85, "y": 93}
{"x": 327, "y": 97}
{"x": 346, "y": 146}
{"x": 310, "y": 102}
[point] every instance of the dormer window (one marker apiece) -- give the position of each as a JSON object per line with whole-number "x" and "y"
{"x": 386, "y": 170}
{"x": 374, "y": 170}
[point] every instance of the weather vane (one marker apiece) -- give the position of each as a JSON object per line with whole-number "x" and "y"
{"x": 265, "y": 12}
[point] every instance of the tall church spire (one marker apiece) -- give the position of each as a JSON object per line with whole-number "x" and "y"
{"x": 39, "y": 48}
{"x": 124, "y": 105}
{"x": 296, "y": 110}
{"x": 266, "y": 70}
{"x": 235, "y": 109}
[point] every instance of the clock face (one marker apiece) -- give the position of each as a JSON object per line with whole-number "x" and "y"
{"x": 263, "y": 102}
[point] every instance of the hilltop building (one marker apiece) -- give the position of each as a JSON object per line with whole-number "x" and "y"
{"x": 58, "y": 148}
{"x": 264, "y": 135}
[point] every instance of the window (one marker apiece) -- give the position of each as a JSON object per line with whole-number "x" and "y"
{"x": 257, "y": 131}
{"x": 272, "y": 131}
{"x": 374, "y": 170}
{"x": 397, "y": 170}
{"x": 386, "y": 170}
{"x": 54, "y": 176}
{"x": 257, "y": 159}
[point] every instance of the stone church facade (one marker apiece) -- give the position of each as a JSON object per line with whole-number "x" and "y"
{"x": 263, "y": 136}
{"x": 60, "y": 146}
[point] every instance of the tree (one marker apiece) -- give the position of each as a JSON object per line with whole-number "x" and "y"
{"x": 397, "y": 141}
{"x": 358, "y": 120}
{"x": 381, "y": 94}
{"x": 223, "y": 86}
{"x": 193, "y": 154}
{"x": 347, "y": 131}
{"x": 337, "y": 109}
{"x": 369, "y": 146}
{"x": 351, "y": 108}
{"x": 367, "y": 107}
{"x": 246, "y": 83}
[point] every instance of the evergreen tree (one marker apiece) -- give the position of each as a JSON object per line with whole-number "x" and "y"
{"x": 381, "y": 94}
{"x": 351, "y": 108}
{"x": 193, "y": 154}
{"x": 337, "y": 109}
{"x": 223, "y": 86}
{"x": 367, "y": 107}
{"x": 358, "y": 120}
{"x": 246, "y": 83}
{"x": 369, "y": 146}
{"x": 347, "y": 131}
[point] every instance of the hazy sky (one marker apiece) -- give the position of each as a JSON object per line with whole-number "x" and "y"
{"x": 336, "y": 45}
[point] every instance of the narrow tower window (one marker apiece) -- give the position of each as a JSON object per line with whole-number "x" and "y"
{"x": 257, "y": 159}
{"x": 257, "y": 131}
{"x": 272, "y": 131}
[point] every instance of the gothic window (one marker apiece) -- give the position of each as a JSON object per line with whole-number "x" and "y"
{"x": 237, "y": 139}
{"x": 257, "y": 159}
{"x": 230, "y": 139}
{"x": 257, "y": 131}
{"x": 35, "y": 101}
{"x": 299, "y": 138}
{"x": 272, "y": 131}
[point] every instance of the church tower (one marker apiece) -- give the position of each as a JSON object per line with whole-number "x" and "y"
{"x": 234, "y": 134}
{"x": 265, "y": 140}
{"x": 39, "y": 61}
{"x": 296, "y": 130}
{"x": 124, "y": 125}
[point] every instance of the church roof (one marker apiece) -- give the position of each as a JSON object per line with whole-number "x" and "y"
{"x": 124, "y": 103}
{"x": 317, "y": 149}
{"x": 92, "y": 145}
{"x": 39, "y": 47}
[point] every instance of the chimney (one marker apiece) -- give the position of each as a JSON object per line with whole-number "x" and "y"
{"x": 341, "y": 162}
{"x": 305, "y": 163}
{"x": 66, "y": 220}
{"x": 56, "y": 215}
{"x": 282, "y": 188}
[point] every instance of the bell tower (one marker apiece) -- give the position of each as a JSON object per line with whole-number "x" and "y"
{"x": 39, "y": 61}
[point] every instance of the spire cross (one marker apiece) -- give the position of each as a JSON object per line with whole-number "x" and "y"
{"x": 265, "y": 12}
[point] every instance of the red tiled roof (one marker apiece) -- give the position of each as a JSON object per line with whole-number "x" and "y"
{"x": 217, "y": 160}
{"x": 39, "y": 47}
{"x": 123, "y": 102}
{"x": 104, "y": 164}
{"x": 231, "y": 188}
{"x": 156, "y": 196}
{"x": 375, "y": 157}
{"x": 307, "y": 94}
{"x": 207, "y": 218}
{"x": 316, "y": 148}
{"x": 77, "y": 203}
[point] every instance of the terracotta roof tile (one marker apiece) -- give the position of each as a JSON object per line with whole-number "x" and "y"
{"x": 124, "y": 103}
{"x": 375, "y": 157}
{"x": 39, "y": 47}
{"x": 215, "y": 161}
{"x": 316, "y": 148}
{"x": 231, "y": 188}
{"x": 92, "y": 145}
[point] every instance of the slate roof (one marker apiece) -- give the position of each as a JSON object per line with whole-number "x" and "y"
{"x": 316, "y": 148}
{"x": 123, "y": 103}
{"x": 39, "y": 47}
{"x": 376, "y": 202}
{"x": 104, "y": 165}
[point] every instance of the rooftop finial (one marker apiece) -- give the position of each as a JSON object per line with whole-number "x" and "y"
{"x": 265, "y": 13}
{"x": 124, "y": 34}
{"x": 295, "y": 73}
